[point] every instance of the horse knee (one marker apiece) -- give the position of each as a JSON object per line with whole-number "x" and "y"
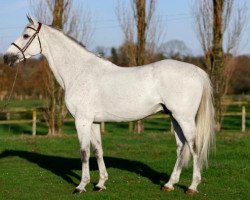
{"x": 98, "y": 153}
{"x": 85, "y": 155}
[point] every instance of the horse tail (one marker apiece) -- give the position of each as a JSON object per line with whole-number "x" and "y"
{"x": 205, "y": 137}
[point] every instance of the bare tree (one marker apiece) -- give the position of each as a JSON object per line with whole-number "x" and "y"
{"x": 215, "y": 26}
{"x": 137, "y": 26}
{"x": 127, "y": 23}
{"x": 143, "y": 19}
{"x": 73, "y": 22}
{"x": 153, "y": 33}
{"x": 216, "y": 73}
{"x": 175, "y": 49}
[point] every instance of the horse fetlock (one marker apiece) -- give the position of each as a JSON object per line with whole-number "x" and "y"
{"x": 104, "y": 176}
{"x": 86, "y": 180}
{"x": 197, "y": 178}
{"x": 175, "y": 177}
{"x": 101, "y": 182}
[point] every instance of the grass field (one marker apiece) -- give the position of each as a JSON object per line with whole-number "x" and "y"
{"x": 138, "y": 165}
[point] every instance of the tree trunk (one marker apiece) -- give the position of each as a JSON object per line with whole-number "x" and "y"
{"x": 141, "y": 31}
{"x": 141, "y": 44}
{"x": 58, "y": 14}
{"x": 217, "y": 71}
{"x": 56, "y": 106}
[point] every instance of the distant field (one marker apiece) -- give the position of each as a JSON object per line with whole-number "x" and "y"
{"x": 138, "y": 165}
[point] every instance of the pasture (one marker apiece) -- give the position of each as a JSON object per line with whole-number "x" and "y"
{"x": 138, "y": 165}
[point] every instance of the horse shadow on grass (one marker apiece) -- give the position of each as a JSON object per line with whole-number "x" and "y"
{"x": 64, "y": 167}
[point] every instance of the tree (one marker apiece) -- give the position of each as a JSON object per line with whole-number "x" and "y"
{"x": 102, "y": 51}
{"x": 114, "y": 56}
{"x": 127, "y": 23}
{"x": 241, "y": 79}
{"x": 56, "y": 111}
{"x": 140, "y": 19}
{"x": 142, "y": 23}
{"x": 74, "y": 23}
{"x": 213, "y": 23}
{"x": 175, "y": 49}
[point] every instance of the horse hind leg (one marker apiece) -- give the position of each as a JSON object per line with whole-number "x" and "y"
{"x": 189, "y": 131}
{"x": 98, "y": 151}
{"x": 182, "y": 157}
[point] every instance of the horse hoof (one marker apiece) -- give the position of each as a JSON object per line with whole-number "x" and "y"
{"x": 167, "y": 189}
{"x": 191, "y": 192}
{"x": 78, "y": 191}
{"x": 99, "y": 189}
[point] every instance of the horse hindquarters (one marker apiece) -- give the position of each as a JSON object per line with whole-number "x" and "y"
{"x": 191, "y": 106}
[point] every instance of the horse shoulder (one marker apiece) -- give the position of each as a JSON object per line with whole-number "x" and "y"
{"x": 81, "y": 97}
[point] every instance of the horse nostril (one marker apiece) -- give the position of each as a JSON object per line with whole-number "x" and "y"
{"x": 5, "y": 59}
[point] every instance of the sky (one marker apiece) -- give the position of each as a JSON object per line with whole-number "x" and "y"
{"x": 176, "y": 18}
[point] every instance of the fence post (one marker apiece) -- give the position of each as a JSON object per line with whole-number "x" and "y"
{"x": 243, "y": 121}
{"x": 8, "y": 115}
{"x": 172, "y": 127}
{"x": 102, "y": 127}
{"x": 34, "y": 123}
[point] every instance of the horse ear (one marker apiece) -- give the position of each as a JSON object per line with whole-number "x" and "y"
{"x": 30, "y": 19}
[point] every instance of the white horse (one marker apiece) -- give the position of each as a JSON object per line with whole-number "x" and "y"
{"x": 96, "y": 90}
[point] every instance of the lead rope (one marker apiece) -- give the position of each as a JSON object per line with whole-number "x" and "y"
{"x": 11, "y": 92}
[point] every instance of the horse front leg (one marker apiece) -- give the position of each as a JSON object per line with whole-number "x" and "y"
{"x": 98, "y": 151}
{"x": 83, "y": 128}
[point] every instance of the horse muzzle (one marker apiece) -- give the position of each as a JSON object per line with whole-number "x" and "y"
{"x": 10, "y": 59}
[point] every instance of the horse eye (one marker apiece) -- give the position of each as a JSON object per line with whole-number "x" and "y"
{"x": 25, "y": 36}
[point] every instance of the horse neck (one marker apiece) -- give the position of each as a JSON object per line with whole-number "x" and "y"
{"x": 66, "y": 58}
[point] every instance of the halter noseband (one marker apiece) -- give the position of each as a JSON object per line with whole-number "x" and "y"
{"x": 22, "y": 50}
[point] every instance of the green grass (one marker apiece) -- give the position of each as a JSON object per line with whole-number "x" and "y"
{"x": 138, "y": 165}
{"x": 23, "y": 103}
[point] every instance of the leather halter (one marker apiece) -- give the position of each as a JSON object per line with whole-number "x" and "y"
{"x": 22, "y": 50}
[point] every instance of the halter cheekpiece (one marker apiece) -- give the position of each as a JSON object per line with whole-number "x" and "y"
{"x": 22, "y": 50}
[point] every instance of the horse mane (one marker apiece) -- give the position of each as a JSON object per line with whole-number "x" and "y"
{"x": 77, "y": 42}
{"x": 69, "y": 36}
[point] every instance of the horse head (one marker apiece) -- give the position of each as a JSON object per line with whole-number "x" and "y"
{"x": 27, "y": 45}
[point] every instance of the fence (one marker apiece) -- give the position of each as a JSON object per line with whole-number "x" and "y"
{"x": 34, "y": 119}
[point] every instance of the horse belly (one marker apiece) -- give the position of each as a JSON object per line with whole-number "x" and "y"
{"x": 109, "y": 116}
{"x": 119, "y": 112}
